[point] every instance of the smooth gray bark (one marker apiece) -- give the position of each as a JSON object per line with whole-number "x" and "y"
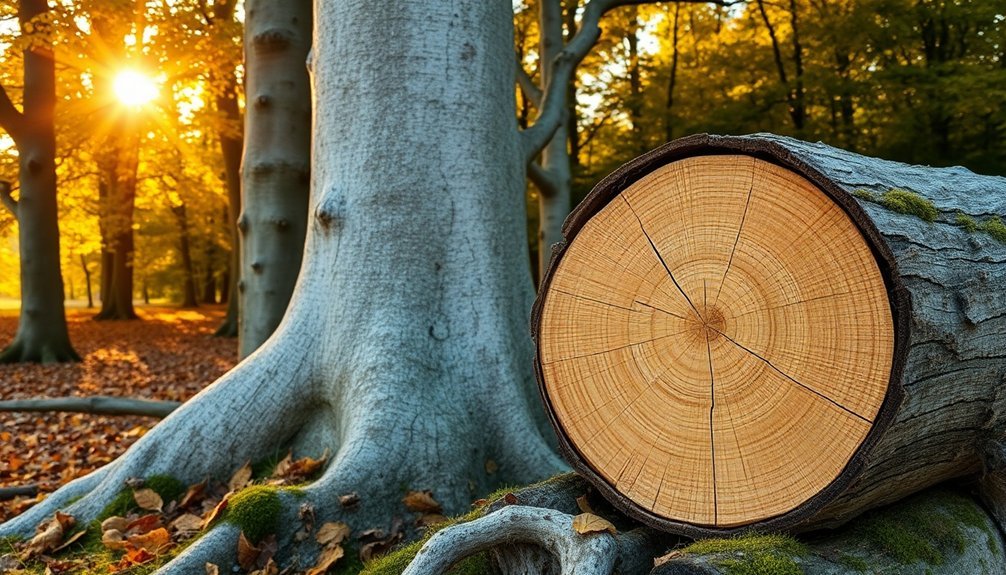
{"x": 276, "y": 170}
{"x": 405, "y": 351}
{"x": 99, "y": 404}
{"x": 42, "y": 333}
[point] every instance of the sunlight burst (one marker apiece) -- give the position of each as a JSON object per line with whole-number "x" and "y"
{"x": 134, "y": 88}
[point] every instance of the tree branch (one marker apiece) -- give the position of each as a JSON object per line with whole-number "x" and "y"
{"x": 542, "y": 179}
{"x": 8, "y": 200}
{"x": 99, "y": 405}
{"x": 588, "y": 554}
{"x": 561, "y": 71}
{"x": 7, "y": 493}
{"x": 527, "y": 85}
{"x": 11, "y": 120}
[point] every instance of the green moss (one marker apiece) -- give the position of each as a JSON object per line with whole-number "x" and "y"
{"x": 761, "y": 563}
{"x": 864, "y": 195}
{"x": 995, "y": 228}
{"x": 748, "y": 543}
{"x": 905, "y": 202}
{"x": 166, "y": 486}
{"x": 854, "y": 563}
{"x": 925, "y": 528}
{"x": 255, "y": 510}
{"x": 967, "y": 222}
{"x": 396, "y": 562}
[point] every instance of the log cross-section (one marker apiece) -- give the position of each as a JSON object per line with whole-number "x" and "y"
{"x": 722, "y": 339}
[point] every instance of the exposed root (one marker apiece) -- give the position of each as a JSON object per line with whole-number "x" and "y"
{"x": 7, "y": 493}
{"x": 99, "y": 404}
{"x": 593, "y": 553}
{"x": 20, "y": 352}
{"x": 24, "y": 525}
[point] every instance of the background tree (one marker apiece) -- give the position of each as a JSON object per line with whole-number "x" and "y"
{"x": 277, "y": 172}
{"x": 42, "y": 334}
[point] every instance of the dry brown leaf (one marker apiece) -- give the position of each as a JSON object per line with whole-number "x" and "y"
{"x": 247, "y": 553}
{"x": 187, "y": 523}
{"x": 589, "y": 523}
{"x": 421, "y": 501}
{"x": 328, "y": 557}
{"x": 155, "y": 541}
{"x": 284, "y": 465}
{"x": 48, "y": 537}
{"x": 212, "y": 569}
{"x": 270, "y": 569}
{"x": 194, "y": 495}
{"x": 216, "y": 512}
{"x": 491, "y": 466}
{"x": 148, "y": 500}
{"x": 241, "y": 478}
{"x": 349, "y": 499}
{"x": 332, "y": 533}
{"x": 143, "y": 524}
{"x": 115, "y": 522}
{"x": 583, "y": 504}
{"x": 510, "y": 499}
{"x": 113, "y": 539}
{"x": 70, "y": 540}
{"x": 657, "y": 561}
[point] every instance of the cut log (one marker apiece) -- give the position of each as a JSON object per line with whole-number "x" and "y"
{"x": 762, "y": 333}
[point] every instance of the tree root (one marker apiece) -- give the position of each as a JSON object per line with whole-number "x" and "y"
{"x": 21, "y": 352}
{"x": 99, "y": 405}
{"x": 7, "y": 493}
{"x": 593, "y": 553}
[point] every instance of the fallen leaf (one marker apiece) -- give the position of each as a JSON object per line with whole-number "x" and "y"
{"x": 657, "y": 561}
{"x": 212, "y": 569}
{"x": 155, "y": 541}
{"x": 328, "y": 557}
{"x": 49, "y": 536}
{"x": 70, "y": 540}
{"x": 589, "y": 523}
{"x": 583, "y": 504}
{"x": 247, "y": 553}
{"x": 421, "y": 501}
{"x": 510, "y": 499}
{"x": 143, "y": 524}
{"x": 194, "y": 495}
{"x": 349, "y": 499}
{"x": 491, "y": 466}
{"x": 270, "y": 569}
{"x": 148, "y": 500}
{"x": 332, "y": 533}
{"x": 113, "y": 539}
{"x": 209, "y": 519}
{"x": 187, "y": 523}
{"x": 115, "y": 522}
{"x": 241, "y": 478}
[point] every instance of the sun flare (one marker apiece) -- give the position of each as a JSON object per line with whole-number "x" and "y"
{"x": 134, "y": 88}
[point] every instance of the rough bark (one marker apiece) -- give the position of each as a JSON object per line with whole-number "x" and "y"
{"x": 947, "y": 304}
{"x": 41, "y": 334}
{"x": 276, "y": 169}
{"x": 405, "y": 349}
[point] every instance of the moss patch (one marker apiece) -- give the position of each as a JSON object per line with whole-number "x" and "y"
{"x": 995, "y": 228}
{"x": 756, "y": 554}
{"x": 924, "y": 529}
{"x": 905, "y": 202}
{"x": 255, "y": 510}
{"x": 967, "y": 222}
{"x": 854, "y": 563}
{"x": 396, "y": 562}
{"x": 166, "y": 486}
{"x": 864, "y": 195}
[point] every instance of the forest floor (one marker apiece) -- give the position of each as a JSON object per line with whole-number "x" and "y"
{"x": 170, "y": 354}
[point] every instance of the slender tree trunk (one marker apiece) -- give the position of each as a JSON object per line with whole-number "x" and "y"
{"x": 634, "y": 103}
{"x": 209, "y": 277}
{"x": 231, "y": 143}
{"x": 119, "y": 165}
{"x": 87, "y": 278}
{"x": 185, "y": 250}
{"x": 673, "y": 78}
{"x": 276, "y": 168}
{"x": 42, "y": 333}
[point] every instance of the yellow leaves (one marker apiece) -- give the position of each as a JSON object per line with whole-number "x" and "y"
{"x": 585, "y": 523}
{"x": 148, "y": 500}
{"x": 328, "y": 557}
{"x": 187, "y": 524}
{"x": 330, "y": 536}
{"x": 153, "y": 541}
{"x": 289, "y": 470}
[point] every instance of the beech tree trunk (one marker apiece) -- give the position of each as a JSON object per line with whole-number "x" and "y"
{"x": 938, "y": 349}
{"x": 276, "y": 169}
{"x": 405, "y": 350}
{"x": 185, "y": 250}
{"x": 118, "y": 167}
{"x": 42, "y": 334}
